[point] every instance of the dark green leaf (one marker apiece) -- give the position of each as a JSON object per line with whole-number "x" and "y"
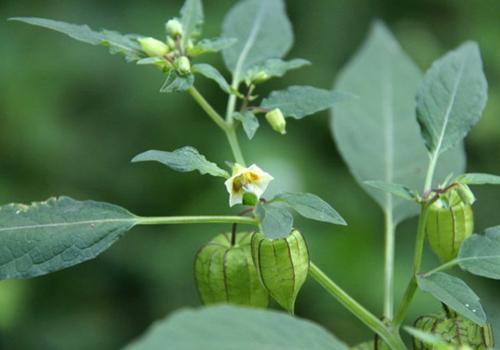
{"x": 395, "y": 189}
{"x": 177, "y": 83}
{"x": 126, "y": 45}
{"x": 61, "y": 232}
{"x": 480, "y": 254}
{"x": 249, "y": 121}
{"x": 300, "y": 101}
{"x": 184, "y": 159}
{"x": 210, "y": 72}
{"x": 251, "y": 329}
{"x": 263, "y": 31}
{"x": 275, "y": 67}
{"x": 479, "y": 179}
{"x": 451, "y": 98}
{"x": 274, "y": 221}
{"x": 191, "y": 19}
{"x": 311, "y": 206}
{"x": 453, "y": 292}
{"x": 377, "y": 133}
{"x": 211, "y": 45}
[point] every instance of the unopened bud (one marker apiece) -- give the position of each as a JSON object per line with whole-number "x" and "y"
{"x": 259, "y": 77}
{"x": 174, "y": 27}
{"x": 153, "y": 47}
{"x": 183, "y": 65}
{"x": 276, "y": 119}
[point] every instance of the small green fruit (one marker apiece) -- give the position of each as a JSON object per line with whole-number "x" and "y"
{"x": 282, "y": 265}
{"x": 449, "y": 223}
{"x": 276, "y": 119}
{"x": 456, "y": 330}
{"x": 227, "y": 274}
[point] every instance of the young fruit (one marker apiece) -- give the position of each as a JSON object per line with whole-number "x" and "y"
{"x": 226, "y": 273}
{"x": 449, "y": 223}
{"x": 282, "y": 265}
{"x": 457, "y": 331}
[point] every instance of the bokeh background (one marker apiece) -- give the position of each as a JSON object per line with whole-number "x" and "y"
{"x": 72, "y": 117}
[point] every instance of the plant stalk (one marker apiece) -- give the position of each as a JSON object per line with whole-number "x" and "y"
{"x": 217, "y": 219}
{"x": 392, "y": 339}
{"x": 389, "y": 265}
{"x": 212, "y": 113}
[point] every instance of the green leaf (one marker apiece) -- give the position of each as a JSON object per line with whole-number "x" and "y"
{"x": 275, "y": 67}
{"x": 210, "y": 72}
{"x": 184, "y": 159}
{"x": 480, "y": 254}
{"x": 478, "y": 179}
{"x": 263, "y": 31}
{"x": 300, "y": 101}
{"x": 395, "y": 189}
{"x": 250, "y": 329}
{"x": 311, "y": 206}
{"x": 125, "y": 45}
{"x": 451, "y": 98}
{"x": 191, "y": 19}
{"x": 274, "y": 222}
{"x": 61, "y": 232}
{"x": 377, "y": 133}
{"x": 177, "y": 83}
{"x": 249, "y": 121}
{"x": 453, "y": 292}
{"x": 211, "y": 45}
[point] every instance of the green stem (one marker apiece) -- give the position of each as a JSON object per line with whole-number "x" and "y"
{"x": 389, "y": 266}
{"x": 212, "y": 113}
{"x": 430, "y": 172}
{"x": 235, "y": 146}
{"x": 217, "y": 219}
{"x": 417, "y": 264}
{"x": 371, "y": 321}
{"x": 444, "y": 266}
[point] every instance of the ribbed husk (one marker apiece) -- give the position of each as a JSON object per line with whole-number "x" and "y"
{"x": 282, "y": 265}
{"x": 227, "y": 274}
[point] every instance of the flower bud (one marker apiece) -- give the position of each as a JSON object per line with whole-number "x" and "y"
{"x": 153, "y": 47}
{"x": 174, "y": 28}
{"x": 282, "y": 265}
{"x": 449, "y": 223}
{"x": 226, "y": 273}
{"x": 183, "y": 65}
{"x": 457, "y": 331}
{"x": 259, "y": 77}
{"x": 276, "y": 119}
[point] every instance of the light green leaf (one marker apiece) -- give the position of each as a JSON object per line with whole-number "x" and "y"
{"x": 274, "y": 221}
{"x": 428, "y": 338}
{"x": 478, "y": 179}
{"x": 395, "y": 189}
{"x": 61, "y": 232}
{"x": 453, "y": 292}
{"x": 249, "y": 121}
{"x": 184, "y": 159}
{"x": 377, "y": 133}
{"x": 210, "y": 72}
{"x": 451, "y": 98}
{"x": 275, "y": 67}
{"x": 310, "y": 206}
{"x": 480, "y": 254}
{"x": 263, "y": 31}
{"x": 125, "y": 45}
{"x": 191, "y": 19}
{"x": 300, "y": 101}
{"x": 177, "y": 83}
{"x": 211, "y": 45}
{"x": 251, "y": 329}
{"x": 150, "y": 60}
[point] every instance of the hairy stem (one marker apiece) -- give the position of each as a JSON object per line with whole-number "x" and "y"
{"x": 217, "y": 219}
{"x": 417, "y": 264}
{"x": 389, "y": 265}
{"x": 371, "y": 321}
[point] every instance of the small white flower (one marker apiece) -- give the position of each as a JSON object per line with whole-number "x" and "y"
{"x": 252, "y": 179}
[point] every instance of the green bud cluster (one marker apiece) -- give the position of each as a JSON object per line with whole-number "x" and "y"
{"x": 450, "y": 222}
{"x": 457, "y": 331}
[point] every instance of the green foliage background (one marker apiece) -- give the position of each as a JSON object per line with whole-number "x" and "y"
{"x": 72, "y": 117}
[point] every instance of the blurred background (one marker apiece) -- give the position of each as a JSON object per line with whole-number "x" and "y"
{"x": 72, "y": 117}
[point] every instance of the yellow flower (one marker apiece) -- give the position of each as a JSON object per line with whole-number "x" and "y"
{"x": 246, "y": 180}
